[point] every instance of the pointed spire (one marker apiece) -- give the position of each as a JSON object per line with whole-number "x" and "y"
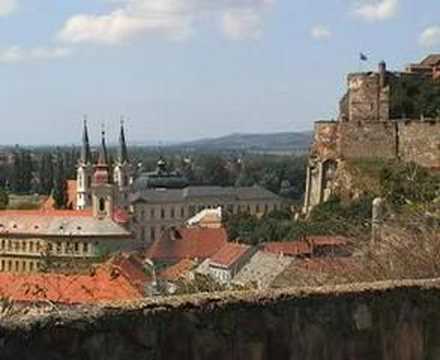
{"x": 86, "y": 155}
{"x": 102, "y": 156}
{"x": 122, "y": 151}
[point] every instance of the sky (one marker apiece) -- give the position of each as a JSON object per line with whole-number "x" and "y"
{"x": 187, "y": 69}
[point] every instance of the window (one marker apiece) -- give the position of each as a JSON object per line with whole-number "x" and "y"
{"x": 266, "y": 208}
{"x": 85, "y": 248}
{"x": 3, "y": 244}
{"x": 23, "y": 246}
{"x": 31, "y": 247}
{"x": 152, "y": 214}
{"x": 101, "y": 204}
{"x": 172, "y": 213}
{"x": 9, "y": 245}
{"x": 142, "y": 217}
{"x": 152, "y": 233}
{"x": 31, "y": 266}
{"x": 50, "y": 247}
{"x": 182, "y": 212}
{"x": 162, "y": 213}
{"x": 10, "y": 265}
{"x": 17, "y": 246}
{"x": 59, "y": 248}
{"x": 17, "y": 265}
{"x": 3, "y": 265}
{"x": 76, "y": 248}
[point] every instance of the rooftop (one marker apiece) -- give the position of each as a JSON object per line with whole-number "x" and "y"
{"x": 56, "y": 223}
{"x": 191, "y": 243}
{"x": 103, "y": 285}
{"x": 229, "y": 254}
{"x": 215, "y": 193}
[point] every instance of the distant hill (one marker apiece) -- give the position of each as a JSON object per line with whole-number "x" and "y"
{"x": 274, "y": 142}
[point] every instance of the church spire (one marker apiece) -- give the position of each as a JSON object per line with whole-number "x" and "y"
{"x": 102, "y": 156}
{"x": 122, "y": 151}
{"x": 86, "y": 155}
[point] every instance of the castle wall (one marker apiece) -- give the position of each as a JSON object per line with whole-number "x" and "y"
{"x": 382, "y": 321}
{"x": 367, "y": 140}
{"x": 419, "y": 141}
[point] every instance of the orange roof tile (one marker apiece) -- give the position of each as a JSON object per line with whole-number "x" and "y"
{"x": 178, "y": 270}
{"x": 68, "y": 289}
{"x": 229, "y": 254}
{"x": 132, "y": 269}
{"x": 289, "y": 248}
{"x": 191, "y": 243}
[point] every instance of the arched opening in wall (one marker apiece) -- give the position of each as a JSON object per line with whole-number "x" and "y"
{"x": 329, "y": 168}
{"x": 101, "y": 205}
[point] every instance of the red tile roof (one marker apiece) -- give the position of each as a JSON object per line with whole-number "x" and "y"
{"x": 190, "y": 243}
{"x": 178, "y": 270}
{"x": 132, "y": 268}
{"x": 290, "y": 248}
{"x": 102, "y": 286}
{"x": 229, "y": 254}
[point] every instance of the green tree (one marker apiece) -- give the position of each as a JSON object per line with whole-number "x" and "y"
{"x": 4, "y": 199}
{"x": 60, "y": 184}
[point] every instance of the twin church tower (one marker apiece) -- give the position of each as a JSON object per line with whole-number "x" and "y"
{"x": 102, "y": 185}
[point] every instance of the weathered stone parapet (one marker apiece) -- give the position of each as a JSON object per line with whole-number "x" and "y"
{"x": 388, "y": 320}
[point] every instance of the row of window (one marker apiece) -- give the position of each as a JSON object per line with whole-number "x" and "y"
{"x": 19, "y": 265}
{"x": 39, "y": 247}
{"x": 180, "y": 213}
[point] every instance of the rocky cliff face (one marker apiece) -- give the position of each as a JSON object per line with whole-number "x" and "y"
{"x": 389, "y": 321}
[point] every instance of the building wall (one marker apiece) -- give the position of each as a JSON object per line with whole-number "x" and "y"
{"x": 27, "y": 254}
{"x": 151, "y": 219}
{"x": 419, "y": 141}
{"x": 382, "y": 321}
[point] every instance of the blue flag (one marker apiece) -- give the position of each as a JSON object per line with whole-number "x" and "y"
{"x": 363, "y": 57}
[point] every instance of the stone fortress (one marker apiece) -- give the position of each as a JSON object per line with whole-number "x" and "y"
{"x": 382, "y": 116}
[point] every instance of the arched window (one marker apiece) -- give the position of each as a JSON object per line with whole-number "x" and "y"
{"x": 101, "y": 204}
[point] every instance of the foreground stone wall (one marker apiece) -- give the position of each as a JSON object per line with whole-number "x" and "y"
{"x": 390, "y": 321}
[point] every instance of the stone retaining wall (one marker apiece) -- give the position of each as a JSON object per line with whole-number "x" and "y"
{"x": 390, "y": 321}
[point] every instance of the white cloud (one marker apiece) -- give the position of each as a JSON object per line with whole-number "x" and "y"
{"x": 320, "y": 32}
{"x": 17, "y": 54}
{"x": 171, "y": 18}
{"x": 7, "y": 7}
{"x": 376, "y": 10}
{"x": 239, "y": 24}
{"x": 430, "y": 37}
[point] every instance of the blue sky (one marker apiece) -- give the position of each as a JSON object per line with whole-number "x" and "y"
{"x": 184, "y": 69}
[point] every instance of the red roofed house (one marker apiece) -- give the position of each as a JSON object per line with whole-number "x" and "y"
{"x": 229, "y": 260}
{"x": 187, "y": 243}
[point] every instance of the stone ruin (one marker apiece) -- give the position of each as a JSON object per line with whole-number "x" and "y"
{"x": 381, "y": 116}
